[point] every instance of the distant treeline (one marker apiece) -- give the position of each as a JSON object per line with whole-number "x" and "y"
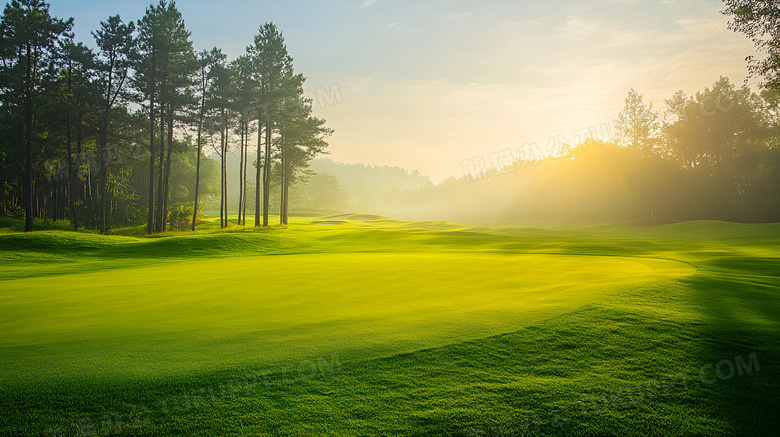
{"x": 118, "y": 135}
{"x": 713, "y": 155}
{"x": 328, "y": 187}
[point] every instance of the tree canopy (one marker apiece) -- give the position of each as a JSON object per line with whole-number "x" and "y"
{"x": 759, "y": 20}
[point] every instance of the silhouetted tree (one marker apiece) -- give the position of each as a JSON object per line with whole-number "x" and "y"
{"x": 714, "y": 126}
{"x": 637, "y": 124}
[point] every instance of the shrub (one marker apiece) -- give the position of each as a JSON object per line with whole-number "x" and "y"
{"x": 179, "y": 215}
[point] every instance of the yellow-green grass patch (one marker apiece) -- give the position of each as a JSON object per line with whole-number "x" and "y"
{"x": 254, "y": 311}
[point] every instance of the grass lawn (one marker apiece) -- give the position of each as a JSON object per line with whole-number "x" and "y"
{"x": 362, "y": 325}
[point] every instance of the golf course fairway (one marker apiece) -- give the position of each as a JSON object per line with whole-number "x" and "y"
{"x": 387, "y": 327}
{"x": 255, "y": 311}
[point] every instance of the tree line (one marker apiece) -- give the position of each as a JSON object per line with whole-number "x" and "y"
{"x": 111, "y": 136}
{"x": 711, "y": 155}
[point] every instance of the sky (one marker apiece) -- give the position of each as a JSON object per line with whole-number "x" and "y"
{"x": 431, "y": 85}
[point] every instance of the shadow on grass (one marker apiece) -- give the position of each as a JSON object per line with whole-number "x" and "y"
{"x": 738, "y": 299}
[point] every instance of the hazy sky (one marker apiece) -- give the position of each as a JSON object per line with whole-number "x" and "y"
{"x": 427, "y": 84}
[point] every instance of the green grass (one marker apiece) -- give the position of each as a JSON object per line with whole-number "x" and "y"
{"x": 382, "y": 327}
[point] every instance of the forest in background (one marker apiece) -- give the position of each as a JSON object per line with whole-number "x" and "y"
{"x": 115, "y": 136}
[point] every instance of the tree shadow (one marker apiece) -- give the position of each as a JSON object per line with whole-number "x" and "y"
{"x": 738, "y": 299}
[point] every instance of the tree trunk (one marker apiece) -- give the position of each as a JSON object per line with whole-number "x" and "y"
{"x": 287, "y": 197}
{"x": 282, "y": 179}
{"x": 286, "y": 169}
{"x": 28, "y": 106}
{"x": 104, "y": 150}
{"x": 161, "y": 213}
{"x": 221, "y": 190}
{"x": 222, "y": 211}
{"x": 224, "y": 165}
{"x": 103, "y": 169}
{"x": 55, "y": 194}
{"x": 267, "y": 174}
{"x": 89, "y": 182}
{"x": 241, "y": 174}
{"x": 168, "y": 166}
{"x": 246, "y": 158}
{"x": 64, "y": 201}
{"x": 79, "y": 137}
{"x": 259, "y": 171}
{"x": 197, "y": 165}
{"x": 71, "y": 176}
{"x": 150, "y": 224}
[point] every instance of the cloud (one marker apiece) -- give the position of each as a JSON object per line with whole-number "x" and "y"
{"x": 575, "y": 28}
{"x": 547, "y": 5}
{"x": 367, "y": 3}
{"x": 390, "y": 26}
{"x": 457, "y": 15}
{"x": 513, "y": 24}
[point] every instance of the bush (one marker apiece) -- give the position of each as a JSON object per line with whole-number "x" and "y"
{"x": 39, "y": 224}
{"x": 180, "y": 215}
{"x": 12, "y": 210}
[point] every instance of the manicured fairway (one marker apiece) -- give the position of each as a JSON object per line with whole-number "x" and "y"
{"x": 383, "y": 327}
{"x": 207, "y": 315}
